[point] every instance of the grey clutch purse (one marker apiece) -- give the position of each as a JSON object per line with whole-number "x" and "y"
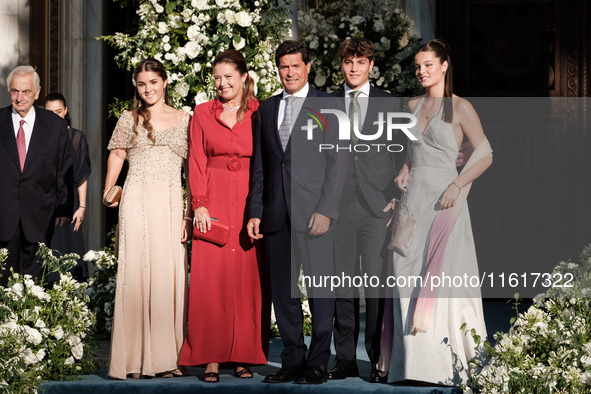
{"x": 402, "y": 230}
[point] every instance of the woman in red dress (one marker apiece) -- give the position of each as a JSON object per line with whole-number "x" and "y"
{"x": 228, "y": 321}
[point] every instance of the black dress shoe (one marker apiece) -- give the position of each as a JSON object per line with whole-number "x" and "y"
{"x": 344, "y": 369}
{"x": 284, "y": 375}
{"x": 376, "y": 377}
{"x": 314, "y": 375}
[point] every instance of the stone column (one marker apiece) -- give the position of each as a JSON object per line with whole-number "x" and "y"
{"x": 82, "y": 82}
{"x": 14, "y": 51}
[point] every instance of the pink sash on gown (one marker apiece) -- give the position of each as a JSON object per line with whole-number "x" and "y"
{"x": 438, "y": 237}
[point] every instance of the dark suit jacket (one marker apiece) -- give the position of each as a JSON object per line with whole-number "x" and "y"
{"x": 315, "y": 180}
{"x": 374, "y": 171}
{"x": 43, "y": 190}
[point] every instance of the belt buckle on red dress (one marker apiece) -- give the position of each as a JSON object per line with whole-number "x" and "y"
{"x": 234, "y": 164}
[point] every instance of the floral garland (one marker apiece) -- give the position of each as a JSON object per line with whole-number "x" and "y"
{"x": 45, "y": 334}
{"x": 548, "y": 348}
{"x": 379, "y": 21}
{"x": 186, "y": 35}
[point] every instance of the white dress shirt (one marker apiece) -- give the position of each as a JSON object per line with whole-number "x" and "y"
{"x": 296, "y": 104}
{"x": 27, "y": 126}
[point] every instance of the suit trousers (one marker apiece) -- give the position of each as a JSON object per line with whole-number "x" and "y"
{"x": 285, "y": 252}
{"x": 21, "y": 256}
{"x": 360, "y": 248}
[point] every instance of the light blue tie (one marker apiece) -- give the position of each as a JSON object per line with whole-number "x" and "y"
{"x": 285, "y": 127}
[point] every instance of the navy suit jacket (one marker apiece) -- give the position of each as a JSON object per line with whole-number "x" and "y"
{"x": 43, "y": 190}
{"x": 314, "y": 180}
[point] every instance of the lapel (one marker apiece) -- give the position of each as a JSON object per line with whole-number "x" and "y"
{"x": 7, "y": 137}
{"x": 39, "y": 137}
{"x": 274, "y": 113}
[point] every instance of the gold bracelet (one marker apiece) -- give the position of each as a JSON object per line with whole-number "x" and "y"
{"x": 458, "y": 186}
{"x": 188, "y": 218}
{"x": 404, "y": 169}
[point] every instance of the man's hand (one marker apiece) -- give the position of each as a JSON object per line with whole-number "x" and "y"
{"x": 391, "y": 207}
{"x": 62, "y": 221}
{"x": 318, "y": 224}
{"x": 253, "y": 228}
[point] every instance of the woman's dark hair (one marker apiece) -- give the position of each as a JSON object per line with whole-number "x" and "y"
{"x": 139, "y": 106}
{"x": 442, "y": 50}
{"x": 232, "y": 56}
{"x": 55, "y": 96}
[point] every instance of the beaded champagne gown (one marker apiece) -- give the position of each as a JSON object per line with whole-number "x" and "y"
{"x": 151, "y": 294}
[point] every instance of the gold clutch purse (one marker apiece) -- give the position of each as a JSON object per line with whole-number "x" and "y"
{"x": 113, "y": 195}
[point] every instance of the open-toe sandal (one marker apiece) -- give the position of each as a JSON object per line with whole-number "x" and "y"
{"x": 245, "y": 373}
{"x": 214, "y": 377}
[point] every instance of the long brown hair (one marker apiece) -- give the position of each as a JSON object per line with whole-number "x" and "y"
{"x": 441, "y": 50}
{"x": 234, "y": 57}
{"x": 139, "y": 106}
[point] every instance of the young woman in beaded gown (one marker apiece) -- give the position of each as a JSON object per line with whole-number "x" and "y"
{"x": 150, "y": 299}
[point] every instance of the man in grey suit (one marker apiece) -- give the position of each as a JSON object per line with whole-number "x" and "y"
{"x": 361, "y": 234}
{"x": 35, "y": 174}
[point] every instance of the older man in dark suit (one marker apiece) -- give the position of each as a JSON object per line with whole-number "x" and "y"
{"x": 35, "y": 167}
{"x": 295, "y": 193}
{"x": 361, "y": 234}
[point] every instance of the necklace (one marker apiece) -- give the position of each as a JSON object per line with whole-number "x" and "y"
{"x": 230, "y": 109}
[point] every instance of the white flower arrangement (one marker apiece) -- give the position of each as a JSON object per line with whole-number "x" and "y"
{"x": 44, "y": 332}
{"x": 379, "y": 21}
{"x": 548, "y": 347}
{"x": 186, "y": 35}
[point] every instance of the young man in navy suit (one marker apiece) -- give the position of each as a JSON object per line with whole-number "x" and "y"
{"x": 361, "y": 234}
{"x": 35, "y": 174}
{"x": 294, "y": 198}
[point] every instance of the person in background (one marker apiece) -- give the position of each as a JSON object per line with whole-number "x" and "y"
{"x": 151, "y": 295}
{"x": 35, "y": 174}
{"x": 229, "y": 310}
{"x": 70, "y": 238}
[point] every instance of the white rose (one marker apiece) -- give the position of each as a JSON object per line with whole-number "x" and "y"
{"x": 91, "y": 255}
{"x": 221, "y": 3}
{"x": 58, "y": 333}
{"x": 193, "y": 32}
{"x": 167, "y": 47}
{"x": 159, "y": 9}
{"x": 162, "y": 28}
{"x": 32, "y": 335}
{"x": 69, "y": 361}
{"x": 166, "y": 38}
{"x": 78, "y": 351}
{"x": 230, "y": 16}
{"x": 28, "y": 356}
{"x": 200, "y": 98}
{"x": 319, "y": 80}
{"x": 378, "y": 25}
{"x": 182, "y": 88}
{"x": 243, "y": 19}
{"x": 197, "y": 67}
{"x": 199, "y": 4}
{"x": 240, "y": 44}
{"x": 403, "y": 41}
{"x": 192, "y": 49}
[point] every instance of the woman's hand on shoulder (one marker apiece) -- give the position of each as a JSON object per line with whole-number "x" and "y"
{"x": 468, "y": 120}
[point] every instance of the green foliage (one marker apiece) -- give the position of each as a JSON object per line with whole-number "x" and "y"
{"x": 45, "y": 334}
{"x": 548, "y": 348}
{"x": 186, "y": 36}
